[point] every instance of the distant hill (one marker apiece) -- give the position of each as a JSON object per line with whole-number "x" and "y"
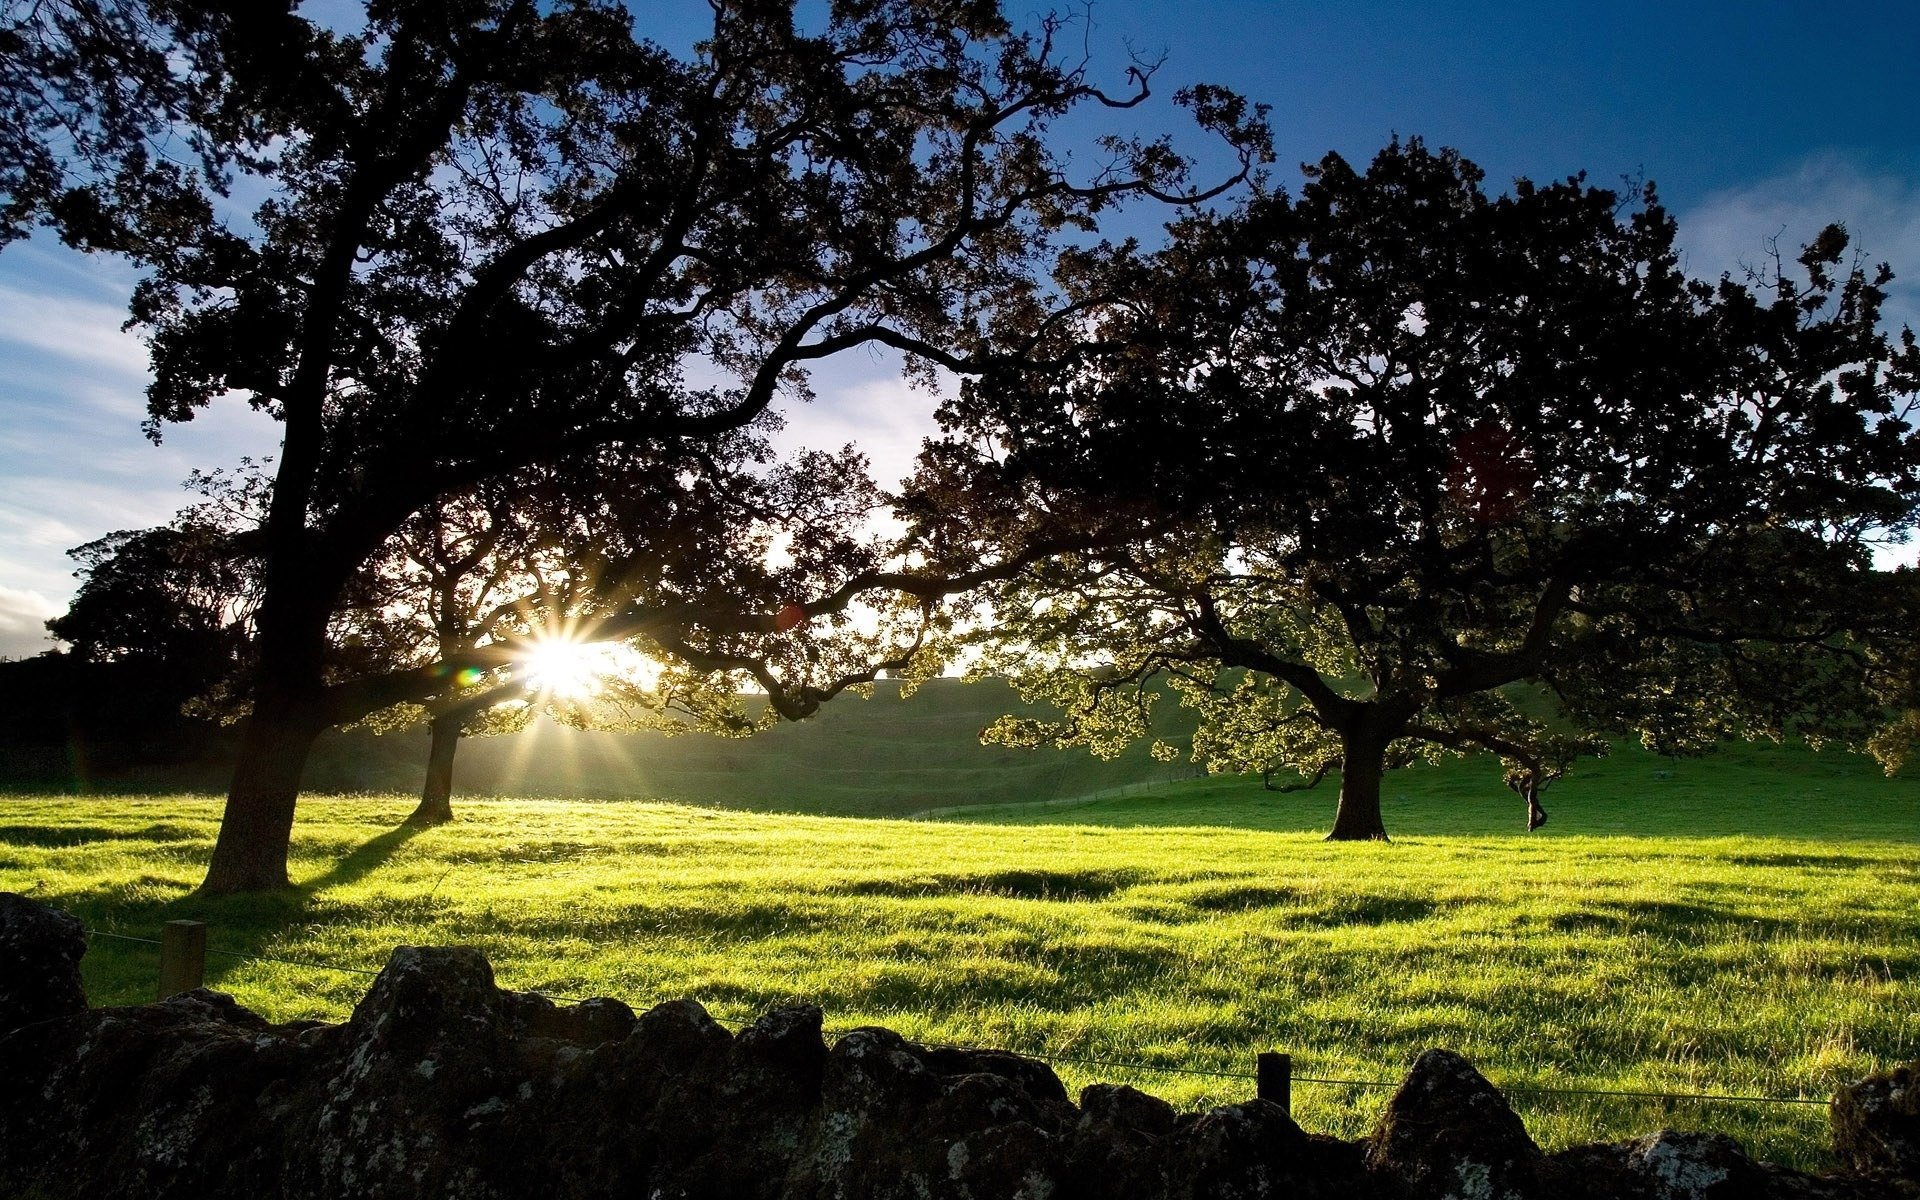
{"x": 1742, "y": 789}
{"x": 879, "y": 757}
{"x": 889, "y": 757}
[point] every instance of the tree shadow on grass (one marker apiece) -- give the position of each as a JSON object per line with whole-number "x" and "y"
{"x": 58, "y": 837}
{"x": 1817, "y": 862}
{"x": 126, "y": 919}
{"x": 1063, "y": 886}
{"x": 363, "y": 859}
{"x": 1687, "y": 922}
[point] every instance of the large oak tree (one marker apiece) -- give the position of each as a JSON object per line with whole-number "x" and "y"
{"x": 1400, "y": 466}
{"x": 499, "y": 235}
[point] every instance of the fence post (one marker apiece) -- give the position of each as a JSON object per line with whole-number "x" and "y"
{"x": 183, "y": 957}
{"x": 1273, "y": 1079}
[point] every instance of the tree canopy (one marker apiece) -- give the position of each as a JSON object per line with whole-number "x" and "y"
{"x": 175, "y": 594}
{"x": 516, "y": 580}
{"x": 498, "y": 236}
{"x": 1396, "y": 467}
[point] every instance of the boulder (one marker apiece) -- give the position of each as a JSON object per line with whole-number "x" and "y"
{"x": 1668, "y": 1165}
{"x": 740, "y": 1112}
{"x": 899, "y": 1120}
{"x": 1448, "y": 1134}
{"x": 1119, "y": 1146}
{"x": 1676, "y": 1165}
{"x": 588, "y": 1023}
{"x": 627, "y": 1117}
{"x": 40, "y": 950}
{"x": 420, "y": 1076}
{"x": 1252, "y": 1151}
{"x": 442, "y": 1084}
{"x": 160, "y": 1100}
{"x": 1876, "y": 1124}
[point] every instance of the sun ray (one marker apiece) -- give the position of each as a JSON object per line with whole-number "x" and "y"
{"x": 522, "y": 751}
{"x": 563, "y": 669}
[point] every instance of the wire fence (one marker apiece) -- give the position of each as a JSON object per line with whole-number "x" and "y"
{"x": 743, "y": 1015}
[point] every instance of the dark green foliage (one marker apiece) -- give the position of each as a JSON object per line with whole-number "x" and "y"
{"x": 175, "y": 595}
{"x": 157, "y": 625}
{"x": 1366, "y": 459}
{"x": 880, "y": 757}
{"x": 64, "y": 719}
{"x": 495, "y": 235}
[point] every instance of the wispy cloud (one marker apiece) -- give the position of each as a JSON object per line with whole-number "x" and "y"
{"x": 1731, "y": 229}
{"x": 23, "y": 617}
{"x": 75, "y": 329}
{"x": 71, "y": 451}
{"x": 883, "y": 417}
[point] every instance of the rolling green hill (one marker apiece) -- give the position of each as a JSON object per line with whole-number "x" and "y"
{"x": 877, "y": 757}
{"x": 922, "y": 756}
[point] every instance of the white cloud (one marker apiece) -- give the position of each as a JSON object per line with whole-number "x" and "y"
{"x": 1729, "y": 230}
{"x": 23, "y": 617}
{"x": 79, "y": 330}
{"x": 74, "y": 461}
{"x": 54, "y": 389}
{"x": 50, "y": 513}
{"x": 883, "y": 417}
{"x": 26, "y": 525}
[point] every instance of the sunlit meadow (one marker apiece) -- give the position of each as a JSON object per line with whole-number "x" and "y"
{"x": 1741, "y": 926}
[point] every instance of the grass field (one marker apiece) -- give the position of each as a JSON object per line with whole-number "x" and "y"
{"x": 879, "y": 757}
{"x": 1745, "y": 925}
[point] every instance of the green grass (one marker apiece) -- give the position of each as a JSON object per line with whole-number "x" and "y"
{"x": 877, "y": 757}
{"x": 1741, "y": 790}
{"x": 1741, "y": 926}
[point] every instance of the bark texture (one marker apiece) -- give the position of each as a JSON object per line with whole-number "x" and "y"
{"x": 256, "y": 829}
{"x": 1363, "y": 763}
{"x": 436, "y": 795}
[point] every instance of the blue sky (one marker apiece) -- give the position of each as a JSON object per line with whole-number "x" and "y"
{"x": 1756, "y": 120}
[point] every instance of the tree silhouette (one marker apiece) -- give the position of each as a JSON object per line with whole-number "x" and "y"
{"x": 501, "y": 235}
{"x": 447, "y": 582}
{"x": 544, "y": 558}
{"x": 1379, "y": 464}
{"x": 175, "y": 594}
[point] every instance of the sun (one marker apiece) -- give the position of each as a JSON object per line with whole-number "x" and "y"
{"x": 567, "y": 670}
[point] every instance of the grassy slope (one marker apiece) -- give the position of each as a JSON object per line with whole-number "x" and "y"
{"x": 1634, "y": 943}
{"x": 879, "y": 757}
{"x": 1755, "y": 789}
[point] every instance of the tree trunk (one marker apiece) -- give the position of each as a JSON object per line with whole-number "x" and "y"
{"x": 256, "y": 831}
{"x": 289, "y": 711}
{"x": 1363, "y": 758}
{"x": 436, "y": 797}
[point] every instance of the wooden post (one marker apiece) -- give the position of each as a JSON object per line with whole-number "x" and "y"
{"x": 1274, "y": 1079}
{"x": 183, "y": 957}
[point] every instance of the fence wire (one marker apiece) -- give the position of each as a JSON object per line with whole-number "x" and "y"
{"x": 1109, "y": 1064}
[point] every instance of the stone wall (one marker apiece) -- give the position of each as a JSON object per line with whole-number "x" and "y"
{"x": 442, "y": 1085}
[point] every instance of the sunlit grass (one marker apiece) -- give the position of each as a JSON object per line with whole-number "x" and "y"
{"x": 1742, "y": 965}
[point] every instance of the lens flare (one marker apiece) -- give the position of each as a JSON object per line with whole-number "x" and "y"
{"x": 567, "y": 670}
